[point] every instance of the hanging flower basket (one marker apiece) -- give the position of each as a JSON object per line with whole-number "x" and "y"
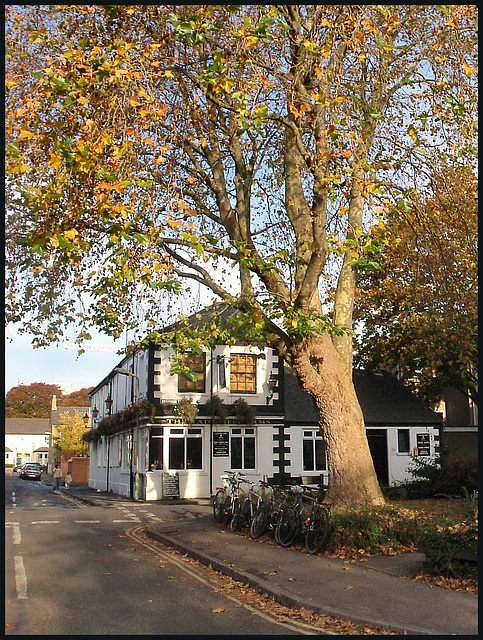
{"x": 215, "y": 407}
{"x": 244, "y": 411}
{"x": 93, "y": 435}
{"x": 186, "y": 410}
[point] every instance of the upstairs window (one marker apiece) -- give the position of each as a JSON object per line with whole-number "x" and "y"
{"x": 243, "y": 374}
{"x": 196, "y": 364}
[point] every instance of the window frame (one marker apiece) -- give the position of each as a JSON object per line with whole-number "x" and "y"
{"x": 246, "y": 357}
{"x": 185, "y": 385}
{"x": 246, "y": 435}
{"x": 312, "y": 437}
{"x": 407, "y": 432}
{"x": 185, "y": 435}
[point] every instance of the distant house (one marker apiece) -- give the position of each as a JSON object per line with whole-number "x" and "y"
{"x": 460, "y": 431}
{"x": 283, "y": 440}
{"x": 27, "y": 439}
{"x": 56, "y": 414}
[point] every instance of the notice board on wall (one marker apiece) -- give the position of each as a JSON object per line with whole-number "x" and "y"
{"x": 423, "y": 445}
{"x": 221, "y": 444}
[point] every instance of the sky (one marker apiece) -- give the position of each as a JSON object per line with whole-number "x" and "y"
{"x": 56, "y": 364}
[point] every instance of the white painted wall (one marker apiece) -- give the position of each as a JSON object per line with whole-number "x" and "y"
{"x": 26, "y": 444}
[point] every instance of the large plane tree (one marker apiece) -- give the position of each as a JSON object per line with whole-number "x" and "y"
{"x": 149, "y": 146}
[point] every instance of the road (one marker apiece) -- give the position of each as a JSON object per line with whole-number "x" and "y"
{"x": 72, "y": 569}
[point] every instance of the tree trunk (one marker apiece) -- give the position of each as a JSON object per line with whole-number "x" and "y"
{"x": 352, "y": 478}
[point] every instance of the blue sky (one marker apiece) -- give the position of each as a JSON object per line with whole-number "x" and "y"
{"x": 55, "y": 364}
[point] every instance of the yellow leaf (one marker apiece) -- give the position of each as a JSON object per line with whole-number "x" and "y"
{"x": 348, "y": 588}
{"x": 143, "y": 113}
{"x": 83, "y": 100}
{"x": 220, "y": 610}
{"x": 169, "y": 74}
{"x": 71, "y": 234}
{"x": 26, "y": 134}
{"x": 468, "y": 70}
{"x": 319, "y": 72}
{"x": 56, "y": 162}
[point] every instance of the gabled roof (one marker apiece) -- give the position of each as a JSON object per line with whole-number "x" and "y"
{"x": 55, "y": 415}
{"x": 384, "y": 402}
{"x": 27, "y": 426}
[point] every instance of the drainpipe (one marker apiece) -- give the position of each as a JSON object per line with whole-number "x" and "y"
{"x": 212, "y": 360}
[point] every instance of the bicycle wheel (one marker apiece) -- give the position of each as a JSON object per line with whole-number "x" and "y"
{"x": 219, "y": 502}
{"x": 287, "y": 527}
{"x": 317, "y": 531}
{"x": 246, "y": 513}
{"x": 259, "y": 523}
{"x": 236, "y": 518}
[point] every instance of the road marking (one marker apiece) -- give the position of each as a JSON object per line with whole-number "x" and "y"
{"x": 131, "y": 520}
{"x": 20, "y": 578}
{"x": 16, "y": 531}
{"x": 86, "y": 521}
{"x": 45, "y": 522}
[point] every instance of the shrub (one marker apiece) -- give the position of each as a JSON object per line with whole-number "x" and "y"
{"x": 446, "y": 476}
{"x": 449, "y": 549}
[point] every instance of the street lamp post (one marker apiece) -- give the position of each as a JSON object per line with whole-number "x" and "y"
{"x": 137, "y": 486}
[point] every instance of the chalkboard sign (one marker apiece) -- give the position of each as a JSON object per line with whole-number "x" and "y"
{"x": 170, "y": 485}
{"x": 424, "y": 448}
{"x": 221, "y": 445}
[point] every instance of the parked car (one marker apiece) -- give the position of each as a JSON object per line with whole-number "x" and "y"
{"x": 18, "y": 468}
{"x": 31, "y": 470}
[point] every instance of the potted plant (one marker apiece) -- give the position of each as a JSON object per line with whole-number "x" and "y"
{"x": 244, "y": 411}
{"x": 186, "y": 410}
{"x": 216, "y": 408}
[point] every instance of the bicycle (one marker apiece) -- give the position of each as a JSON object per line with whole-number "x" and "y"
{"x": 227, "y": 498}
{"x": 314, "y": 527}
{"x": 269, "y": 513}
{"x": 244, "y": 513}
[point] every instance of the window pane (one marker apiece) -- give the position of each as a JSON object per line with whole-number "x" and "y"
{"x": 196, "y": 364}
{"x": 236, "y": 453}
{"x": 194, "y": 453}
{"x": 242, "y": 374}
{"x": 403, "y": 440}
{"x": 156, "y": 453}
{"x": 320, "y": 464}
{"x": 176, "y": 453}
{"x": 308, "y": 454}
{"x": 249, "y": 453}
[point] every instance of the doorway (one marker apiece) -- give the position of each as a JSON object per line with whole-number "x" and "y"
{"x": 377, "y": 439}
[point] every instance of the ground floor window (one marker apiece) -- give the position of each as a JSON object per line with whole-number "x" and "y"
{"x": 242, "y": 448}
{"x": 128, "y": 450}
{"x": 156, "y": 444}
{"x": 314, "y": 451}
{"x": 185, "y": 450}
{"x": 403, "y": 441}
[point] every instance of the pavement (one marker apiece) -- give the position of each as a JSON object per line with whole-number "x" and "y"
{"x": 378, "y": 591}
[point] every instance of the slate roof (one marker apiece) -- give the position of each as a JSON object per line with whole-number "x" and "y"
{"x": 29, "y": 426}
{"x": 56, "y": 413}
{"x": 384, "y": 402}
